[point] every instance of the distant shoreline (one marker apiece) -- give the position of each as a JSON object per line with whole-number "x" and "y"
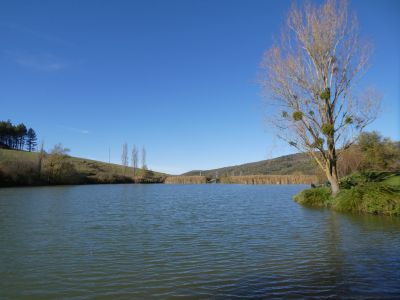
{"x": 248, "y": 180}
{"x": 23, "y": 168}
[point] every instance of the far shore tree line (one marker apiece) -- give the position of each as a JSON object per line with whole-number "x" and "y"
{"x": 17, "y": 136}
{"x": 370, "y": 151}
{"x": 56, "y": 166}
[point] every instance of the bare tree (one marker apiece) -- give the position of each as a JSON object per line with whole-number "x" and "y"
{"x": 40, "y": 158}
{"x": 124, "y": 156}
{"x": 134, "y": 159}
{"x": 144, "y": 166}
{"x": 309, "y": 80}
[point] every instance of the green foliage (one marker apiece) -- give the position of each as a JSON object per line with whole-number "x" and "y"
{"x": 285, "y": 114}
{"x": 327, "y": 129}
{"x": 363, "y": 177}
{"x": 318, "y": 197}
{"x": 348, "y": 120}
{"x": 326, "y": 94}
{"x": 318, "y": 142}
{"x": 16, "y": 136}
{"x": 371, "y": 197}
{"x": 380, "y": 153}
{"x": 368, "y": 192}
{"x": 393, "y": 180}
{"x": 297, "y": 115}
{"x": 299, "y": 163}
{"x": 31, "y": 140}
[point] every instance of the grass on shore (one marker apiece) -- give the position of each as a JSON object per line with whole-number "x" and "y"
{"x": 370, "y": 192}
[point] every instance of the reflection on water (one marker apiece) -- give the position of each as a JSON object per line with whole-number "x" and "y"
{"x": 197, "y": 241}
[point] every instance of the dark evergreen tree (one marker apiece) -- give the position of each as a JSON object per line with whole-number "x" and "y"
{"x": 20, "y": 135}
{"x": 15, "y": 137}
{"x": 7, "y": 134}
{"x": 31, "y": 140}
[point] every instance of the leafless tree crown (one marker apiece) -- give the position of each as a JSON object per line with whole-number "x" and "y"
{"x": 310, "y": 75}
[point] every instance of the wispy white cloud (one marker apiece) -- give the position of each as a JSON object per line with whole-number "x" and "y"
{"x": 78, "y": 130}
{"x": 37, "y": 34}
{"x": 46, "y": 62}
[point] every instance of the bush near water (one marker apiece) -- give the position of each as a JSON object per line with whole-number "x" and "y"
{"x": 372, "y": 192}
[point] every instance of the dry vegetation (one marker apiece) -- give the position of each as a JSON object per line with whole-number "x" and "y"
{"x": 271, "y": 179}
{"x": 19, "y": 168}
{"x": 186, "y": 180}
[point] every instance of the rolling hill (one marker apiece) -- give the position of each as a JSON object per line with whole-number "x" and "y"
{"x": 21, "y": 168}
{"x": 299, "y": 163}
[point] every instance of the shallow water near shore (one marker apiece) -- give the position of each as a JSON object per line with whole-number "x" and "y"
{"x": 191, "y": 241}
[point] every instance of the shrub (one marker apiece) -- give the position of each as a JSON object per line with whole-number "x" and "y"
{"x": 18, "y": 173}
{"x": 372, "y": 197}
{"x": 60, "y": 170}
{"x": 364, "y": 192}
{"x": 319, "y": 197}
{"x": 357, "y": 178}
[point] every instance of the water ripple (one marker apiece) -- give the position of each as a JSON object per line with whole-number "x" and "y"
{"x": 189, "y": 242}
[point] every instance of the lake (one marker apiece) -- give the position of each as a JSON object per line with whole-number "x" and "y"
{"x": 189, "y": 241}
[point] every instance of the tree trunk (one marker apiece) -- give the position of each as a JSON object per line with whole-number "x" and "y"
{"x": 331, "y": 174}
{"x": 333, "y": 180}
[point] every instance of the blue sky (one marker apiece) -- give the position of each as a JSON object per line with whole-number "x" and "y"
{"x": 178, "y": 77}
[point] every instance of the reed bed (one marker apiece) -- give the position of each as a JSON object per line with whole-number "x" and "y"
{"x": 185, "y": 180}
{"x": 271, "y": 179}
{"x": 143, "y": 179}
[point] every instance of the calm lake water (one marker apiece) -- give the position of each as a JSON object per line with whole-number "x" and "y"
{"x": 191, "y": 242}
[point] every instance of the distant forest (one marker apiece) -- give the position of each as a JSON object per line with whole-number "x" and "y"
{"x": 17, "y": 137}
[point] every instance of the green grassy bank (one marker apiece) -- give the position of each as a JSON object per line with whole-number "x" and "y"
{"x": 22, "y": 168}
{"x": 366, "y": 192}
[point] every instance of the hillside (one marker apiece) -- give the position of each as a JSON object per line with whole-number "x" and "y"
{"x": 299, "y": 163}
{"x": 22, "y": 168}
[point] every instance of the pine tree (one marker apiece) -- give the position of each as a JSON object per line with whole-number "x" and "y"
{"x": 31, "y": 140}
